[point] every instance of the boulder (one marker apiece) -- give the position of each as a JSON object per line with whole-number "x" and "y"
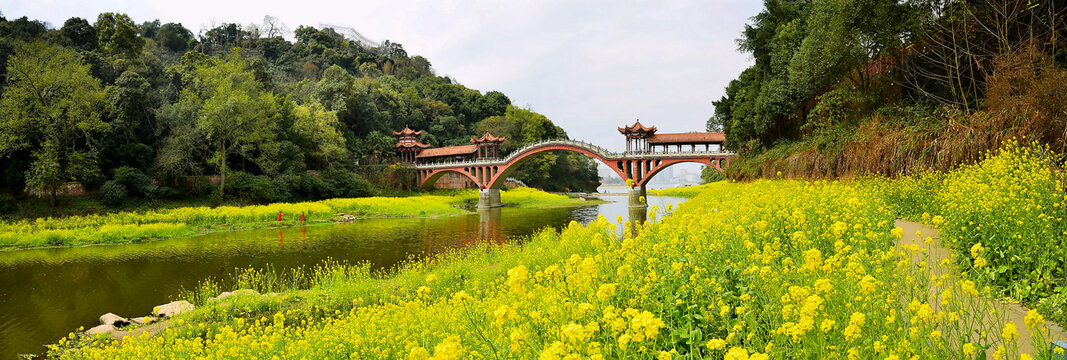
{"x": 143, "y": 320}
{"x": 114, "y": 320}
{"x": 103, "y": 329}
{"x": 172, "y": 309}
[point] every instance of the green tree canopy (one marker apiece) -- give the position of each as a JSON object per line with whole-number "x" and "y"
{"x": 320, "y": 129}
{"x": 234, "y": 114}
{"x": 52, "y": 108}
{"x": 117, "y": 35}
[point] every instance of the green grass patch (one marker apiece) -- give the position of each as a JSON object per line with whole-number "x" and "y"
{"x": 183, "y": 221}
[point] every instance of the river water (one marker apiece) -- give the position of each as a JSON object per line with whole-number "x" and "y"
{"x": 47, "y": 293}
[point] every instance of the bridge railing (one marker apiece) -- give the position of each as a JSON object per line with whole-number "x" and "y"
{"x": 599, "y": 151}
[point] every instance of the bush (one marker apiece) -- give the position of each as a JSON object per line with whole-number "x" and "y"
{"x": 251, "y": 188}
{"x": 349, "y": 185}
{"x": 135, "y": 181}
{"x": 314, "y": 188}
{"x": 7, "y": 204}
{"x": 112, "y": 193}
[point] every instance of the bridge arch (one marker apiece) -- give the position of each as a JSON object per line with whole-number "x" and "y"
{"x": 516, "y": 159}
{"x": 714, "y": 163}
{"x": 429, "y": 177}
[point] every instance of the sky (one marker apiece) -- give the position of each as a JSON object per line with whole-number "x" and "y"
{"x": 590, "y": 66}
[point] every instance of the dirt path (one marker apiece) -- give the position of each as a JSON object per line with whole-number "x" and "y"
{"x": 1009, "y": 311}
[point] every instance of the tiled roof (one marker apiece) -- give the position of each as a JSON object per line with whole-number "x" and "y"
{"x": 688, "y": 138}
{"x": 488, "y": 138}
{"x": 407, "y": 131}
{"x": 637, "y": 127}
{"x": 448, "y": 151}
{"x": 411, "y": 145}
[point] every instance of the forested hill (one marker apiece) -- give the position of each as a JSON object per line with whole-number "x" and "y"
{"x": 844, "y": 87}
{"x": 116, "y": 104}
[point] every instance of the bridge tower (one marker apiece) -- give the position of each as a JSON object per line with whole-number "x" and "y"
{"x": 487, "y": 146}
{"x": 408, "y": 145}
{"x": 637, "y": 136}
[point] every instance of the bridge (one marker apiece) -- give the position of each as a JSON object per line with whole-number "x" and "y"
{"x": 647, "y": 154}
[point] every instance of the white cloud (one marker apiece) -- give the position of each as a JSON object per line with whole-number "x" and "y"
{"x": 590, "y": 66}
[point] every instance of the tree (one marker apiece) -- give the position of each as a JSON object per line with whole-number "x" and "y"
{"x": 23, "y": 29}
{"x": 79, "y": 33}
{"x": 493, "y": 103}
{"x": 117, "y": 35}
{"x": 274, "y": 27}
{"x": 149, "y": 29}
{"x": 234, "y": 114}
{"x": 844, "y": 35}
{"x": 51, "y": 107}
{"x": 175, "y": 37}
{"x": 320, "y": 128}
{"x": 132, "y": 135}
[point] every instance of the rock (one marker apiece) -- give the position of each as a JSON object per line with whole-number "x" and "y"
{"x": 226, "y": 294}
{"x": 143, "y": 320}
{"x": 114, "y": 320}
{"x": 102, "y": 329}
{"x": 173, "y": 308}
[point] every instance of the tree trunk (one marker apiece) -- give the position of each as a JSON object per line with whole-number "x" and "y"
{"x": 222, "y": 172}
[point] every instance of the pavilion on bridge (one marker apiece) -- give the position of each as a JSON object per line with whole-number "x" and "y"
{"x": 644, "y": 139}
{"x": 408, "y": 145}
{"x": 411, "y": 151}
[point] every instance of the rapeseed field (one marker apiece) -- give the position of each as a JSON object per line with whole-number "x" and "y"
{"x": 777, "y": 269}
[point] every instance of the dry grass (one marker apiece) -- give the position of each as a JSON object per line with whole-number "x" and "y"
{"x": 1026, "y": 98}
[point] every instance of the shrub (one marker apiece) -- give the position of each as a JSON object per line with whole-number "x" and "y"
{"x": 135, "y": 181}
{"x": 347, "y": 184}
{"x": 112, "y": 193}
{"x": 7, "y": 204}
{"x": 313, "y": 187}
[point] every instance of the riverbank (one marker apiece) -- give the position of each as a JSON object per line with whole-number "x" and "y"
{"x": 185, "y": 221}
{"x": 717, "y": 277}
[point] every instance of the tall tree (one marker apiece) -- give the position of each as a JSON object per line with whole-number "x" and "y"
{"x": 117, "y": 34}
{"x": 175, "y": 37}
{"x": 236, "y": 116}
{"x": 79, "y": 33}
{"x": 52, "y": 107}
{"x": 320, "y": 129}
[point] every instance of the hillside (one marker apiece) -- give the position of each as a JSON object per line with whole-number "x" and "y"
{"x": 146, "y": 111}
{"x": 853, "y": 87}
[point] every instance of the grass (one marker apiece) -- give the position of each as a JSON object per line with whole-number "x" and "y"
{"x": 741, "y": 271}
{"x": 183, "y": 221}
{"x": 683, "y": 192}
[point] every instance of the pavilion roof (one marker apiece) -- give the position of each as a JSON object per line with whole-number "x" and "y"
{"x": 407, "y": 131}
{"x": 687, "y": 138}
{"x": 448, "y": 151}
{"x": 412, "y": 145}
{"x": 636, "y": 128}
{"x": 488, "y": 138}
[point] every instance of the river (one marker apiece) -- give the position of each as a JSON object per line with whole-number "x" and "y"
{"x": 47, "y": 293}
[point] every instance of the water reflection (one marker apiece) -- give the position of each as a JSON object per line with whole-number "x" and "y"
{"x": 638, "y": 217}
{"x": 489, "y": 223}
{"x": 46, "y": 293}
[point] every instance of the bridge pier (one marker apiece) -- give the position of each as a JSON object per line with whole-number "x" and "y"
{"x": 637, "y": 197}
{"x": 489, "y": 198}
